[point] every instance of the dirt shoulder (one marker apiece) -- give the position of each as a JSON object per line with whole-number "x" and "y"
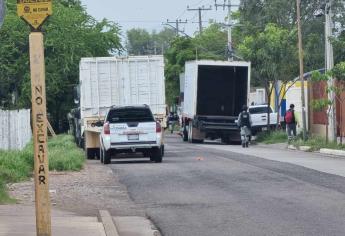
{"x": 95, "y": 187}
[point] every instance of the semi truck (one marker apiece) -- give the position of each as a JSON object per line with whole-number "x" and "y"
{"x": 214, "y": 94}
{"x": 116, "y": 81}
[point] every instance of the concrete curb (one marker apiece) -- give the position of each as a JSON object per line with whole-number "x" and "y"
{"x": 332, "y": 152}
{"x": 326, "y": 151}
{"x": 108, "y": 223}
{"x": 300, "y": 148}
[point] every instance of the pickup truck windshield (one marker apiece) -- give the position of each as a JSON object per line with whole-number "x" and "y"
{"x": 259, "y": 110}
{"x": 125, "y": 115}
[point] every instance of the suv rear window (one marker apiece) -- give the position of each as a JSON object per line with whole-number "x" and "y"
{"x": 259, "y": 110}
{"x": 124, "y": 115}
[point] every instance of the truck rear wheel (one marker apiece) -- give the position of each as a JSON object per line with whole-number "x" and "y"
{"x": 226, "y": 140}
{"x": 185, "y": 134}
{"x": 97, "y": 153}
{"x": 90, "y": 153}
{"x": 190, "y": 135}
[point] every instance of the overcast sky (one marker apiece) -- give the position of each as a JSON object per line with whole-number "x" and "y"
{"x": 150, "y": 14}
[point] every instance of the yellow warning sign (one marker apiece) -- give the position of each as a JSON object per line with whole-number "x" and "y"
{"x": 34, "y": 12}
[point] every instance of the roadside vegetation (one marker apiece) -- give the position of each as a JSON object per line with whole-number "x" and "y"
{"x": 317, "y": 143}
{"x": 272, "y": 137}
{"x": 314, "y": 142}
{"x": 16, "y": 166}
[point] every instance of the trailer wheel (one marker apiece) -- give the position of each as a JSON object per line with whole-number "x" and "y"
{"x": 90, "y": 154}
{"x": 97, "y": 153}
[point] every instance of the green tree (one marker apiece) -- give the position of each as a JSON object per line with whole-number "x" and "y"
{"x": 141, "y": 42}
{"x": 253, "y": 16}
{"x": 210, "y": 45}
{"x": 69, "y": 35}
{"x": 273, "y": 55}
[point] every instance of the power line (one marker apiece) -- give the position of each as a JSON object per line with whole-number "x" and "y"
{"x": 200, "y": 9}
{"x": 177, "y": 23}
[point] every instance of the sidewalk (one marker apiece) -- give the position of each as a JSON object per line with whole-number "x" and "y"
{"x": 279, "y": 152}
{"x": 19, "y": 220}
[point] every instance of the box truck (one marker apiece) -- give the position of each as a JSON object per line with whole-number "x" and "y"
{"x": 111, "y": 81}
{"x": 214, "y": 94}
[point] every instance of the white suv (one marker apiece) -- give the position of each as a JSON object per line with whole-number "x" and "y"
{"x": 130, "y": 129}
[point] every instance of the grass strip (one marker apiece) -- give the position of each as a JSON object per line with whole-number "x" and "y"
{"x": 16, "y": 166}
{"x": 316, "y": 143}
{"x": 272, "y": 137}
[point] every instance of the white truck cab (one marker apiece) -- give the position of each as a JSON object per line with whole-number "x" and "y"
{"x": 259, "y": 118}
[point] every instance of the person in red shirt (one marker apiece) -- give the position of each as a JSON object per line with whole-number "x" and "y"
{"x": 290, "y": 121}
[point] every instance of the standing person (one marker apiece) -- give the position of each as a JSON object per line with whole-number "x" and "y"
{"x": 245, "y": 123}
{"x": 290, "y": 121}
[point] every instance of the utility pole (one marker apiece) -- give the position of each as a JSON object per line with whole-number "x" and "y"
{"x": 177, "y": 22}
{"x": 301, "y": 68}
{"x": 332, "y": 128}
{"x": 2, "y": 11}
{"x": 200, "y": 9}
{"x": 228, "y": 5}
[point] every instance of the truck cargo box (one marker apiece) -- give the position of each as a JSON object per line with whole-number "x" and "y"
{"x": 215, "y": 88}
{"x": 112, "y": 81}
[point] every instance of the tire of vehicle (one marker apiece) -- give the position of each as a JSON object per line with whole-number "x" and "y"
{"x": 106, "y": 157}
{"x": 90, "y": 154}
{"x": 185, "y": 135}
{"x": 226, "y": 140}
{"x": 97, "y": 153}
{"x": 190, "y": 132}
{"x": 101, "y": 154}
{"x": 190, "y": 135}
{"x": 156, "y": 155}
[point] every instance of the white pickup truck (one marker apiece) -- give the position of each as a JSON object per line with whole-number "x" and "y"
{"x": 259, "y": 118}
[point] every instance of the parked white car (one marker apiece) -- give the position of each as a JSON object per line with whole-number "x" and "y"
{"x": 259, "y": 118}
{"x": 131, "y": 129}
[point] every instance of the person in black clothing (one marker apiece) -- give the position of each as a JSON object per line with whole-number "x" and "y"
{"x": 291, "y": 123}
{"x": 245, "y": 123}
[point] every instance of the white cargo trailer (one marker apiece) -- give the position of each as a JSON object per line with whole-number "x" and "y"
{"x": 214, "y": 94}
{"x": 111, "y": 81}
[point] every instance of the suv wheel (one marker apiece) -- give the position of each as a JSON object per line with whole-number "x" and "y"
{"x": 106, "y": 157}
{"x": 101, "y": 155}
{"x": 157, "y": 155}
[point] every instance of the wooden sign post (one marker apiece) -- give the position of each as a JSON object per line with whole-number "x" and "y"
{"x": 39, "y": 120}
{"x": 35, "y": 12}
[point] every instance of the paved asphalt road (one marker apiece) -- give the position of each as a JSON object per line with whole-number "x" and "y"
{"x": 199, "y": 191}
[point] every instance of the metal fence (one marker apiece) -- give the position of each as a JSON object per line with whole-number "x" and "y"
{"x": 15, "y": 129}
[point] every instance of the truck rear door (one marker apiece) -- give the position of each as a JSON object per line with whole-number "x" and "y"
{"x": 132, "y": 125}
